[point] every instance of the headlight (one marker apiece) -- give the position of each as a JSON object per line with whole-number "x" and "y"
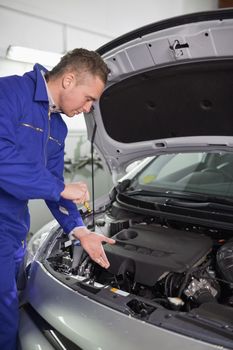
{"x": 35, "y": 243}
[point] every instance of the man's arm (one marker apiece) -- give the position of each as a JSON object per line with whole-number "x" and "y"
{"x": 68, "y": 216}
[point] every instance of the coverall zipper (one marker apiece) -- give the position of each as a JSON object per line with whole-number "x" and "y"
{"x": 32, "y": 127}
{"x": 47, "y": 140}
{"x": 55, "y": 140}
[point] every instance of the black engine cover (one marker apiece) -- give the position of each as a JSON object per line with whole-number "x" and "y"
{"x": 150, "y": 252}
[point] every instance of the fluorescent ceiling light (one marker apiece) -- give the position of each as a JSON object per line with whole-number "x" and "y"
{"x": 28, "y": 55}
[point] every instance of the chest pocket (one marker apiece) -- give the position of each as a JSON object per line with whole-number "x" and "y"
{"x": 32, "y": 127}
{"x": 35, "y": 144}
{"x": 53, "y": 139}
{"x": 30, "y": 141}
{"x": 53, "y": 148}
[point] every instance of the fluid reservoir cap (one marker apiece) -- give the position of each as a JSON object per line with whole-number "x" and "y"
{"x": 176, "y": 301}
{"x": 100, "y": 222}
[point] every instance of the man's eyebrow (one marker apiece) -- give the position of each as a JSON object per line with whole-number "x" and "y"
{"x": 92, "y": 98}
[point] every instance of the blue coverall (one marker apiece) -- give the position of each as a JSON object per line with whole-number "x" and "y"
{"x": 31, "y": 166}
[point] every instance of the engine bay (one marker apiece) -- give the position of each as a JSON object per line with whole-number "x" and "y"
{"x": 173, "y": 266}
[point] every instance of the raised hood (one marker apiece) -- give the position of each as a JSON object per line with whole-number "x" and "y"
{"x": 170, "y": 89}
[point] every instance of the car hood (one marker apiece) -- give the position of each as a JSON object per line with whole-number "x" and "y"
{"x": 170, "y": 89}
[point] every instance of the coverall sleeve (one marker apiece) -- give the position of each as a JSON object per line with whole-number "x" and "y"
{"x": 65, "y": 211}
{"x": 19, "y": 177}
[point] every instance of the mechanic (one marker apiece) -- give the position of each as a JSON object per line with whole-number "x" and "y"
{"x": 32, "y": 135}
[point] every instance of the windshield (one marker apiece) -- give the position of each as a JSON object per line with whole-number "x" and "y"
{"x": 199, "y": 172}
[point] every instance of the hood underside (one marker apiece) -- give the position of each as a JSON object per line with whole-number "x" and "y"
{"x": 170, "y": 89}
{"x": 192, "y": 99}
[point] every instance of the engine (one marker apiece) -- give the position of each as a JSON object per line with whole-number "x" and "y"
{"x": 179, "y": 268}
{"x": 150, "y": 252}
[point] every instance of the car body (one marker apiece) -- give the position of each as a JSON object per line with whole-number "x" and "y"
{"x": 168, "y": 107}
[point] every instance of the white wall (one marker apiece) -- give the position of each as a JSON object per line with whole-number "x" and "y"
{"x": 58, "y": 25}
{"x": 91, "y": 18}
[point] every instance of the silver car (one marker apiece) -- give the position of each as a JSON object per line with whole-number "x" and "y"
{"x": 167, "y": 113}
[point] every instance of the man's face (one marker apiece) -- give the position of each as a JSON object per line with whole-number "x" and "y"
{"x": 78, "y": 97}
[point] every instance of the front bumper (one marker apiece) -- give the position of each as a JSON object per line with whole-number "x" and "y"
{"x": 88, "y": 324}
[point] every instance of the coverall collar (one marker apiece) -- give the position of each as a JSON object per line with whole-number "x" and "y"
{"x": 41, "y": 91}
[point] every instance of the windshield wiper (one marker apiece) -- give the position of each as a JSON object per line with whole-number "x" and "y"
{"x": 199, "y": 205}
{"x": 197, "y": 200}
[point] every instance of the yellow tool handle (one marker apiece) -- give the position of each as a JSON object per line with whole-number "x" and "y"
{"x": 86, "y": 205}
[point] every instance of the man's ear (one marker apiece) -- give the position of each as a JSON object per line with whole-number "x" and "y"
{"x": 68, "y": 80}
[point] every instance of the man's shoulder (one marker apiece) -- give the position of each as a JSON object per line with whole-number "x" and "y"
{"x": 28, "y": 78}
{"x": 11, "y": 88}
{"x": 11, "y": 80}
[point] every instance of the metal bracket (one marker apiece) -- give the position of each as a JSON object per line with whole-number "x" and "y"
{"x": 177, "y": 48}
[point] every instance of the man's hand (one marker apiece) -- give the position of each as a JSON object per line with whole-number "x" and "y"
{"x": 77, "y": 192}
{"x": 92, "y": 244}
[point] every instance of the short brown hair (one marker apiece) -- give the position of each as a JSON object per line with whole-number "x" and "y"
{"x": 81, "y": 60}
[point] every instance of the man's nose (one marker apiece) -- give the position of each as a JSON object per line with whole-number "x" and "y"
{"x": 87, "y": 107}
